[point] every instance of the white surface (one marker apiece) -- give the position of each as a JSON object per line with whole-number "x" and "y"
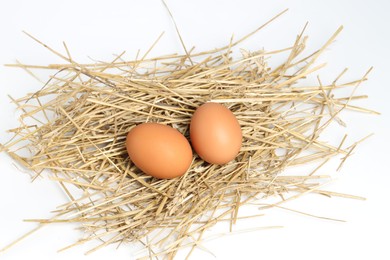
{"x": 99, "y": 29}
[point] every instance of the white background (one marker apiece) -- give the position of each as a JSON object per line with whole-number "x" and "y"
{"x": 100, "y": 29}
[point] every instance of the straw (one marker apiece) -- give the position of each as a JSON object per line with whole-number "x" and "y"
{"x": 73, "y": 130}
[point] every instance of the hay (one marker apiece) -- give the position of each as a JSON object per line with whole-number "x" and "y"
{"x": 74, "y": 130}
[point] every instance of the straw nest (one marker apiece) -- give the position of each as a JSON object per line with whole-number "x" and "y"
{"x": 74, "y": 130}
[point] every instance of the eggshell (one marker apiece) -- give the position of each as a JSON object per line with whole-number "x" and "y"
{"x": 215, "y": 133}
{"x": 159, "y": 150}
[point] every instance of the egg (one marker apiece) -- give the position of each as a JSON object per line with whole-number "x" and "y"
{"x": 215, "y": 133}
{"x": 159, "y": 150}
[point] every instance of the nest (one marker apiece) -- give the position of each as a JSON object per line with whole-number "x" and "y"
{"x": 74, "y": 130}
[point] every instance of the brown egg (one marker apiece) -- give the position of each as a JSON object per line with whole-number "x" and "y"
{"x": 215, "y": 133}
{"x": 159, "y": 150}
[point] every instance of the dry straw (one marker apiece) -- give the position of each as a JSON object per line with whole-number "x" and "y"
{"x": 74, "y": 129}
